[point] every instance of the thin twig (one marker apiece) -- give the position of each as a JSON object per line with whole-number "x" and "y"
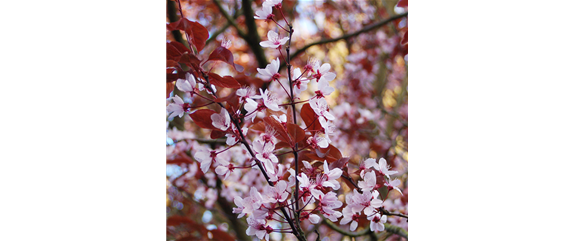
{"x": 350, "y": 35}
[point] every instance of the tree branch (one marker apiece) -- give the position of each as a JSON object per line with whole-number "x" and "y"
{"x": 253, "y": 38}
{"x": 389, "y": 228}
{"x": 230, "y": 19}
{"x": 350, "y": 35}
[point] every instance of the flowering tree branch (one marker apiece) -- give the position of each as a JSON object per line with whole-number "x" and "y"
{"x": 243, "y": 140}
{"x": 311, "y": 187}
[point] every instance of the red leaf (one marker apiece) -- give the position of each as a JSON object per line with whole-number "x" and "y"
{"x": 215, "y": 134}
{"x": 197, "y": 32}
{"x": 174, "y": 50}
{"x": 223, "y": 54}
{"x": 310, "y": 118}
{"x": 225, "y": 81}
{"x": 341, "y": 163}
{"x": 295, "y": 132}
{"x": 202, "y": 118}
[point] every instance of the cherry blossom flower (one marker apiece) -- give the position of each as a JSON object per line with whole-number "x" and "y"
{"x": 205, "y": 158}
{"x": 323, "y": 72}
{"x": 369, "y": 181}
{"x": 317, "y": 141}
{"x": 313, "y": 218}
{"x": 381, "y": 166}
{"x": 264, "y": 152}
{"x": 273, "y": 40}
{"x": 221, "y": 121}
{"x": 377, "y": 222}
{"x": 258, "y": 227}
{"x": 306, "y": 187}
{"x": 300, "y": 83}
{"x": 332, "y": 175}
{"x": 328, "y": 202}
{"x": 348, "y": 216}
{"x": 224, "y": 169}
{"x": 324, "y": 89}
{"x": 393, "y": 185}
{"x": 271, "y": 71}
{"x": 367, "y": 202}
{"x": 319, "y": 105}
{"x": 246, "y": 93}
{"x": 277, "y": 193}
{"x": 187, "y": 85}
{"x": 251, "y": 107}
{"x": 265, "y": 13}
{"x": 269, "y": 136}
{"x": 269, "y": 100}
{"x": 274, "y": 3}
{"x": 176, "y": 108}
{"x": 243, "y": 206}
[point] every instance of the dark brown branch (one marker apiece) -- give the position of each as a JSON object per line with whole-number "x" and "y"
{"x": 230, "y": 19}
{"x": 350, "y": 35}
{"x": 253, "y": 38}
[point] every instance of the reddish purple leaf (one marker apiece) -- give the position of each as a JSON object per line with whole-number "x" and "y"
{"x": 223, "y": 54}
{"x": 202, "y": 118}
{"x": 225, "y": 81}
{"x": 197, "y": 32}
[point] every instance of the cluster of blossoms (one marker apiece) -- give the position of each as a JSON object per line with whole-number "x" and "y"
{"x": 259, "y": 130}
{"x": 367, "y": 199}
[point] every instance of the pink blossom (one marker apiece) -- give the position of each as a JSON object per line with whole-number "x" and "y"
{"x": 319, "y": 105}
{"x": 205, "y": 157}
{"x": 366, "y": 201}
{"x": 264, "y": 152}
{"x": 277, "y": 193}
{"x": 221, "y": 121}
{"x": 324, "y": 89}
{"x": 369, "y": 181}
{"x": 176, "y": 108}
{"x": 224, "y": 169}
{"x": 394, "y": 185}
{"x": 187, "y": 85}
{"x": 306, "y": 187}
{"x": 258, "y": 227}
{"x": 271, "y": 71}
{"x": 377, "y": 222}
{"x": 327, "y": 203}
{"x": 269, "y": 101}
{"x": 332, "y": 175}
{"x": 245, "y": 93}
{"x": 381, "y": 166}
{"x": 317, "y": 141}
{"x": 300, "y": 82}
{"x": 251, "y": 107}
{"x": 265, "y": 13}
{"x": 273, "y": 3}
{"x": 323, "y": 72}
{"x": 348, "y": 216}
{"x": 273, "y": 40}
